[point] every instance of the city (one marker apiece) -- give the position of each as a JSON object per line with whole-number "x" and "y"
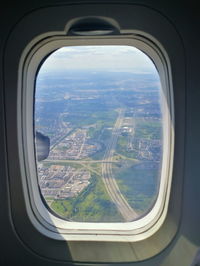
{"x": 105, "y": 138}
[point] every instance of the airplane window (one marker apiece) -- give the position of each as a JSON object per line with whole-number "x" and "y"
{"x": 98, "y": 133}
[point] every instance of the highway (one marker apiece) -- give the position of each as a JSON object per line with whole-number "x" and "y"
{"x": 78, "y": 161}
{"x": 128, "y": 213}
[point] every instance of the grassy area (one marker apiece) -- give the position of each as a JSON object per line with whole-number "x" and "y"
{"x": 92, "y": 205}
{"x": 138, "y": 185}
{"x": 99, "y": 154}
{"x": 121, "y": 148}
{"x": 99, "y": 132}
{"x": 148, "y": 129}
{"x": 90, "y": 117}
{"x": 103, "y": 136}
{"x": 74, "y": 165}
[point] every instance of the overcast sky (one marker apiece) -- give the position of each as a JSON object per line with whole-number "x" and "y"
{"x": 114, "y": 58}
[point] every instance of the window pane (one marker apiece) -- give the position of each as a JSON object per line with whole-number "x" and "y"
{"x": 99, "y": 107}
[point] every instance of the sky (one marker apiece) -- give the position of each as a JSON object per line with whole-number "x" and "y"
{"x": 108, "y": 57}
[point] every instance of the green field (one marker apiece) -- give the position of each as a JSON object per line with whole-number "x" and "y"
{"x": 148, "y": 129}
{"x": 90, "y": 117}
{"x": 121, "y": 148}
{"x": 138, "y": 185}
{"x": 92, "y": 205}
{"x": 74, "y": 165}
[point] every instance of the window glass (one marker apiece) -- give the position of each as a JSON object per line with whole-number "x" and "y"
{"x": 99, "y": 133}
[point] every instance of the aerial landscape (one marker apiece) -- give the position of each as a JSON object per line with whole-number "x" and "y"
{"x": 105, "y": 129}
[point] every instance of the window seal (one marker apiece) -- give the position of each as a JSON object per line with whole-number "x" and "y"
{"x": 54, "y": 227}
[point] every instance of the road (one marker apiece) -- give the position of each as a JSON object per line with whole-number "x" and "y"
{"x": 78, "y": 161}
{"x": 64, "y": 128}
{"x": 128, "y": 213}
{"x": 82, "y": 146}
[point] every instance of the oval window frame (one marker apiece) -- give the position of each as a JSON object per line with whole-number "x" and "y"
{"x": 56, "y": 227}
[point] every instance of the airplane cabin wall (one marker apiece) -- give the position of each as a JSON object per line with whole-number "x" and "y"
{"x": 186, "y": 244}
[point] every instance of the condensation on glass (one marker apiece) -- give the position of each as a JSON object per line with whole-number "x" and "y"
{"x": 99, "y": 133}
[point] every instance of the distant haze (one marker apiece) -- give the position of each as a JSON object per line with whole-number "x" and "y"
{"x": 108, "y": 58}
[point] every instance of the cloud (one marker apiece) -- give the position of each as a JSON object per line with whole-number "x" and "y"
{"x": 108, "y": 57}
